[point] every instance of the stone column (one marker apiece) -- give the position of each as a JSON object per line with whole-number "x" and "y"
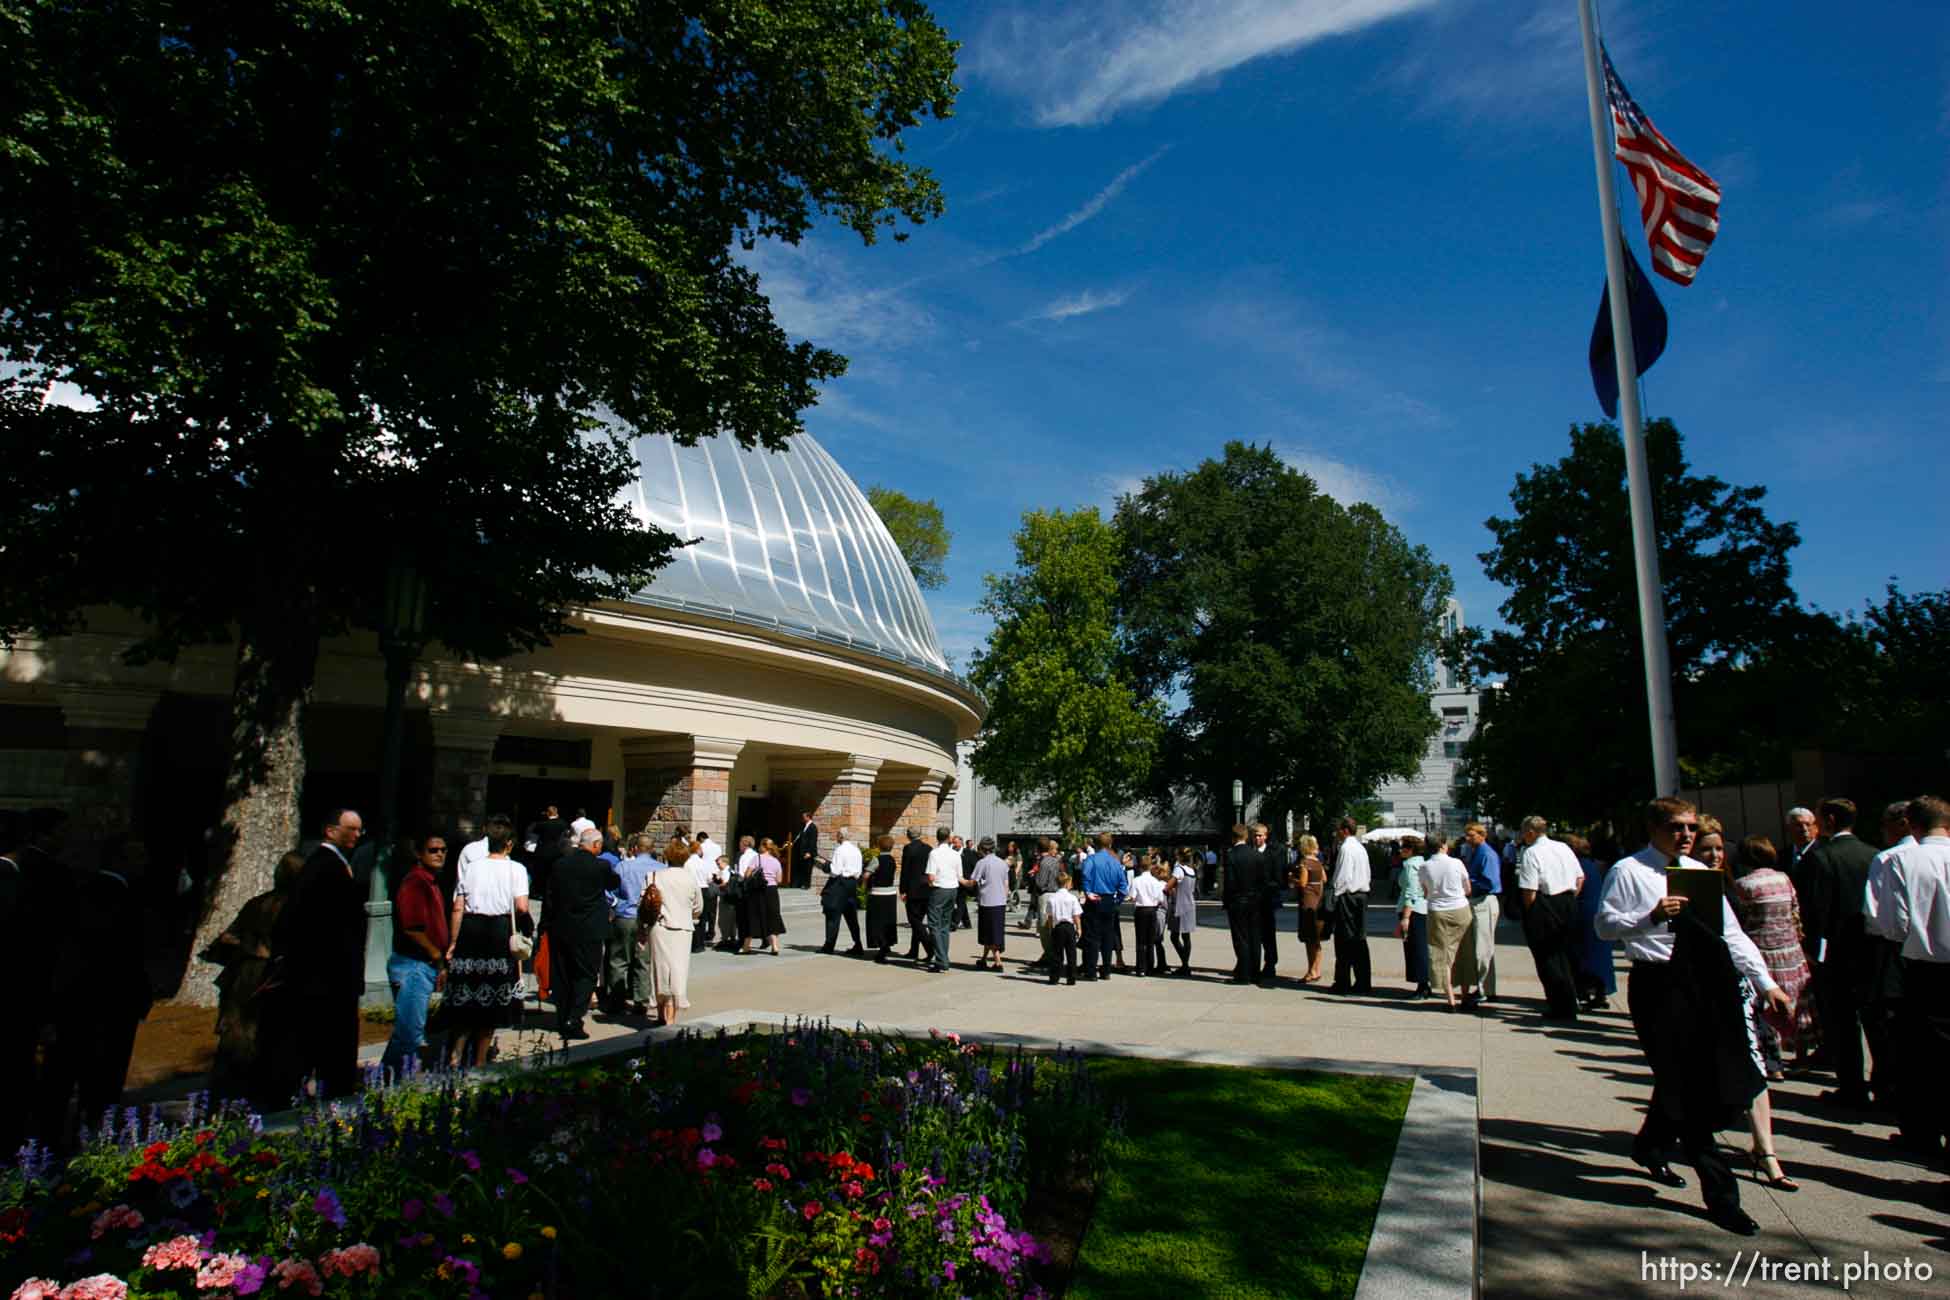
{"x": 838, "y": 790}
{"x": 672, "y": 781}
{"x": 463, "y": 758}
{"x": 907, "y": 797}
{"x": 105, "y": 730}
{"x": 945, "y": 813}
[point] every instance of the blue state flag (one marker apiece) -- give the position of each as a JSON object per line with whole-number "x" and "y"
{"x": 1648, "y": 332}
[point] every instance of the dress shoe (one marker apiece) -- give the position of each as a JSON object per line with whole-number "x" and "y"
{"x": 826, "y": 948}
{"x": 1237, "y": 979}
{"x": 856, "y": 951}
{"x": 1071, "y": 980}
{"x": 575, "y": 1033}
{"x": 1658, "y": 1170}
{"x": 1733, "y": 1219}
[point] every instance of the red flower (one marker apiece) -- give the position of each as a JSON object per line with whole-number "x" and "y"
{"x": 811, "y": 1210}
{"x": 761, "y": 1184}
{"x": 863, "y": 1172}
{"x": 865, "y": 1261}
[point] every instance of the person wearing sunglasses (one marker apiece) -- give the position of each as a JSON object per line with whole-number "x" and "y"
{"x": 418, "y": 964}
{"x": 1685, "y": 1000}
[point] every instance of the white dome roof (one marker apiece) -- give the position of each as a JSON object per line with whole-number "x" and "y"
{"x": 784, "y": 541}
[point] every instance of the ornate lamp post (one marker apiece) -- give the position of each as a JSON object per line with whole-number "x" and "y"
{"x": 1238, "y": 801}
{"x": 402, "y": 632}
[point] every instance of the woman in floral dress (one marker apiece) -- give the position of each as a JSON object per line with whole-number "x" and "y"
{"x": 1764, "y": 903}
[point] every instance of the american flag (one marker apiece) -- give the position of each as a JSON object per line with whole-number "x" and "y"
{"x": 1679, "y": 203}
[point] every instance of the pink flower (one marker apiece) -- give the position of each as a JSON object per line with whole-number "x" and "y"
{"x": 120, "y": 1216}
{"x": 102, "y": 1286}
{"x": 298, "y": 1273}
{"x": 177, "y": 1252}
{"x": 220, "y": 1271}
{"x": 706, "y": 1158}
{"x": 810, "y": 1210}
{"x": 349, "y": 1262}
{"x": 37, "y": 1288}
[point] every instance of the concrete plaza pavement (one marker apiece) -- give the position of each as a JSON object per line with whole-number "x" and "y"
{"x": 1564, "y": 1209}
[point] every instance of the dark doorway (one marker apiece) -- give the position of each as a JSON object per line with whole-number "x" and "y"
{"x": 524, "y": 798}
{"x": 754, "y": 818}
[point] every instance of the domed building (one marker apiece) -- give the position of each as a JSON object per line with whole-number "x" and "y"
{"x": 785, "y": 661}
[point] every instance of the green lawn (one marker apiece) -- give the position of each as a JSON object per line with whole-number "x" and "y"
{"x": 1231, "y": 1182}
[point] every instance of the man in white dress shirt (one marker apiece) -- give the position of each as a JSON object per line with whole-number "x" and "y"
{"x": 840, "y": 897}
{"x": 1347, "y": 905}
{"x": 1548, "y": 878}
{"x": 944, "y": 887}
{"x": 1908, "y": 903}
{"x": 1683, "y": 1035}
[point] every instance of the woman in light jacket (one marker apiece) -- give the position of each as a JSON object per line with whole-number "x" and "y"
{"x": 670, "y": 933}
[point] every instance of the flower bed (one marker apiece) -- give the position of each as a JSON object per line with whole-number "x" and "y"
{"x": 808, "y": 1162}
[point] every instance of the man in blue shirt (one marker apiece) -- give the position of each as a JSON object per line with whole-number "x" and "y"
{"x": 1103, "y": 890}
{"x": 626, "y": 982}
{"x": 1485, "y": 883}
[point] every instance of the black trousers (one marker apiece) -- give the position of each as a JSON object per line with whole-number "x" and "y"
{"x": 1243, "y": 918}
{"x": 307, "y": 1034}
{"x": 707, "y": 923}
{"x": 919, "y": 939}
{"x": 1149, "y": 959}
{"x": 1182, "y": 944}
{"x": 1838, "y": 1002}
{"x": 1415, "y": 949}
{"x": 90, "y": 1055}
{"x": 961, "y": 911}
{"x": 1269, "y": 933}
{"x": 1644, "y": 993}
{"x": 1099, "y": 933}
{"x": 1063, "y": 951}
{"x": 840, "y": 899}
{"x": 575, "y": 967}
{"x": 1352, "y": 967}
{"x": 1549, "y": 928}
{"x": 1921, "y": 1038}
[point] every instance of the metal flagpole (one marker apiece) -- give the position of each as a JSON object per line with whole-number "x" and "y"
{"x": 1645, "y": 546}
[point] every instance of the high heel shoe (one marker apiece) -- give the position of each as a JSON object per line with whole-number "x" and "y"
{"x": 1777, "y": 1180}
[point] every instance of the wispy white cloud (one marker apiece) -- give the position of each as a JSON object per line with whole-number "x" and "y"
{"x": 1081, "y": 304}
{"x": 1348, "y": 483}
{"x": 1096, "y": 204}
{"x": 1088, "y": 62}
{"x": 815, "y": 296}
{"x": 1858, "y": 212}
{"x": 1320, "y": 355}
{"x": 1511, "y": 61}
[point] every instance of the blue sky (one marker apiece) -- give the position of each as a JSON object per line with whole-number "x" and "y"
{"x": 1366, "y": 232}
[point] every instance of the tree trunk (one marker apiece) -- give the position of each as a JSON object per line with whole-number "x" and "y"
{"x": 275, "y": 669}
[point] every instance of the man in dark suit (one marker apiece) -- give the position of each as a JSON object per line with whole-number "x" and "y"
{"x": 578, "y": 922}
{"x": 1244, "y": 899}
{"x": 805, "y": 851}
{"x": 318, "y": 962}
{"x": 104, "y": 991}
{"x": 914, "y": 894}
{"x": 1836, "y": 875}
{"x": 969, "y": 857}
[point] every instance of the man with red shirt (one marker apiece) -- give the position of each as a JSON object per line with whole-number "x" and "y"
{"x": 418, "y": 964}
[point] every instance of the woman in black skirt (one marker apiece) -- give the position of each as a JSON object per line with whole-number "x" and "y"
{"x": 761, "y": 903}
{"x": 883, "y": 900}
{"x": 483, "y": 975}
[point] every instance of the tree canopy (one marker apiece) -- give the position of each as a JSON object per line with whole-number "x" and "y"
{"x": 919, "y": 530}
{"x": 1567, "y": 736}
{"x": 1290, "y": 638}
{"x": 357, "y": 284}
{"x": 1066, "y": 733}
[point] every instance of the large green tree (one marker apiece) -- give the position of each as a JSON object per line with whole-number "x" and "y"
{"x": 1290, "y": 637}
{"x": 359, "y": 284}
{"x": 1066, "y": 733}
{"x": 1567, "y": 735}
{"x": 919, "y": 530}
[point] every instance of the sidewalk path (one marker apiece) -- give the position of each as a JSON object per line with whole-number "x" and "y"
{"x": 1565, "y": 1210}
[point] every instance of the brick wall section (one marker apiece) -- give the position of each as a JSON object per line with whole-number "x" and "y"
{"x": 461, "y": 762}
{"x": 678, "y": 781}
{"x": 902, "y": 803}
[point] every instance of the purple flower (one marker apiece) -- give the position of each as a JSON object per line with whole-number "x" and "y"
{"x": 250, "y": 1278}
{"x": 445, "y": 1205}
{"x": 472, "y": 1161}
{"x": 412, "y": 1208}
{"x": 712, "y": 1132}
{"x": 327, "y": 1206}
{"x": 801, "y": 1097}
{"x": 517, "y": 1177}
{"x": 706, "y": 1158}
{"x": 948, "y": 1270}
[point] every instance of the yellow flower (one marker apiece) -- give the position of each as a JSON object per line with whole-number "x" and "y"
{"x": 511, "y": 1251}
{"x": 263, "y": 1192}
{"x": 548, "y": 1232}
{"x": 445, "y": 1271}
{"x": 466, "y": 1238}
{"x": 536, "y": 1295}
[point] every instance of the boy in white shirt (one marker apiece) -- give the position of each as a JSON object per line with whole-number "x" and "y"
{"x": 1062, "y": 913}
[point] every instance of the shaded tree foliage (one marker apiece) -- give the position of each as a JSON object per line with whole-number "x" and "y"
{"x": 919, "y": 530}
{"x": 1290, "y": 638}
{"x": 1066, "y": 734}
{"x": 355, "y": 284}
{"x": 1567, "y": 737}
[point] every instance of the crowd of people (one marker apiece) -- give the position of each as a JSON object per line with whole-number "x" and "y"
{"x": 1826, "y": 954}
